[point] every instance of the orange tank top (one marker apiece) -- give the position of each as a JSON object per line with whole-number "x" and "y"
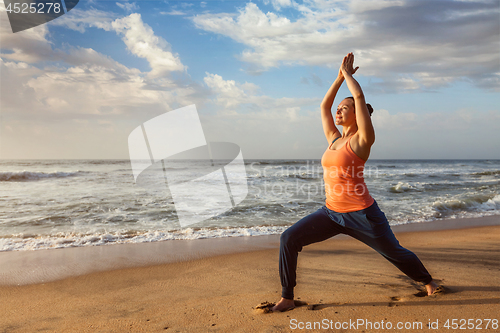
{"x": 345, "y": 187}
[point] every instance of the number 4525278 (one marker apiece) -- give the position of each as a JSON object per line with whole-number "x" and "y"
{"x": 463, "y": 324}
{"x": 32, "y": 8}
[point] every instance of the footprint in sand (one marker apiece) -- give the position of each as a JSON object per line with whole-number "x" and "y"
{"x": 421, "y": 293}
{"x": 394, "y": 299}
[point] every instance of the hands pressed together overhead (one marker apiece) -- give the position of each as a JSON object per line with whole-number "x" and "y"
{"x": 347, "y": 67}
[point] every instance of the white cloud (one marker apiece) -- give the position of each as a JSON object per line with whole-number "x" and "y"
{"x": 128, "y": 7}
{"x": 243, "y": 97}
{"x": 79, "y": 20}
{"x": 28, "y": 46}
{"x": 228, "y": 93}
{"x": 142, "y": 42}
{"x": 173, "y": 12}
{"x": 463, "y": 133}
{"x": 85, "y": 111}
{"x": 268, "y": 127}
{"x": 91, "y": 89}
{"x": 292, "y": 113}
{"x": 464, "y": 120}
{"x": 383, "y": 120}
{"x": 431, "y": 43}
{"x": 87, "y": 89}
{"x": 16, "y": 95}
{"x": 278, "y": 4}
{"x": 139, "y": 38}
{"x": 86, "y": 56}
{"x": 86, "y": 105}
{"x": 33, "y": 46}
{"x": 254, "y": 121}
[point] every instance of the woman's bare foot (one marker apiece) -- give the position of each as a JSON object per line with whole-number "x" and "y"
{"x": 431, "y": 287}
{"x": 283, "y": 305}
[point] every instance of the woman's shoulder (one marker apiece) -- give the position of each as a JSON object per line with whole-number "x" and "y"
{"x": 356, "y": 145}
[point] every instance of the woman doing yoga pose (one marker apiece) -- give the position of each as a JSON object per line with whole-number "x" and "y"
{"x": 349, "y": 209}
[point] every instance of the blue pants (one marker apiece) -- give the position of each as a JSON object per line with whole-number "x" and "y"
{"x": 367, "y": 225}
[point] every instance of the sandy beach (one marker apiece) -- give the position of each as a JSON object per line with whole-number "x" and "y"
{"x": 215, "y": 285}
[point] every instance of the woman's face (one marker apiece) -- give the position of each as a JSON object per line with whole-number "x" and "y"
{"x": 345, "y": 113}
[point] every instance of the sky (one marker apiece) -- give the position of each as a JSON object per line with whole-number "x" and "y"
{"x": 257, "y": 71}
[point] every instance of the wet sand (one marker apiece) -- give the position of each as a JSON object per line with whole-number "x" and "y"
{"x": 208, "y": 287}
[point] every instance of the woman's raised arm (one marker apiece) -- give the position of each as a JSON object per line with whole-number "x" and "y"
{"x": 366, "y": 133}
{"x": 331, "y": 131}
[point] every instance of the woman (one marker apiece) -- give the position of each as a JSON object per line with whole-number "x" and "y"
{"x": 349, "y": 207}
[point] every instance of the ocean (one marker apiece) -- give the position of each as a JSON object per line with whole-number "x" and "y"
{"x": 47, "y": 204}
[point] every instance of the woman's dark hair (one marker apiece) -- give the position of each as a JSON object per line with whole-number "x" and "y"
{"x": 368, "y": 106}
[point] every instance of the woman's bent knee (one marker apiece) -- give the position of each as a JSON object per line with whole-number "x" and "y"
{"x": 286, "y": 237}
{"x": 290, "y": 240}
